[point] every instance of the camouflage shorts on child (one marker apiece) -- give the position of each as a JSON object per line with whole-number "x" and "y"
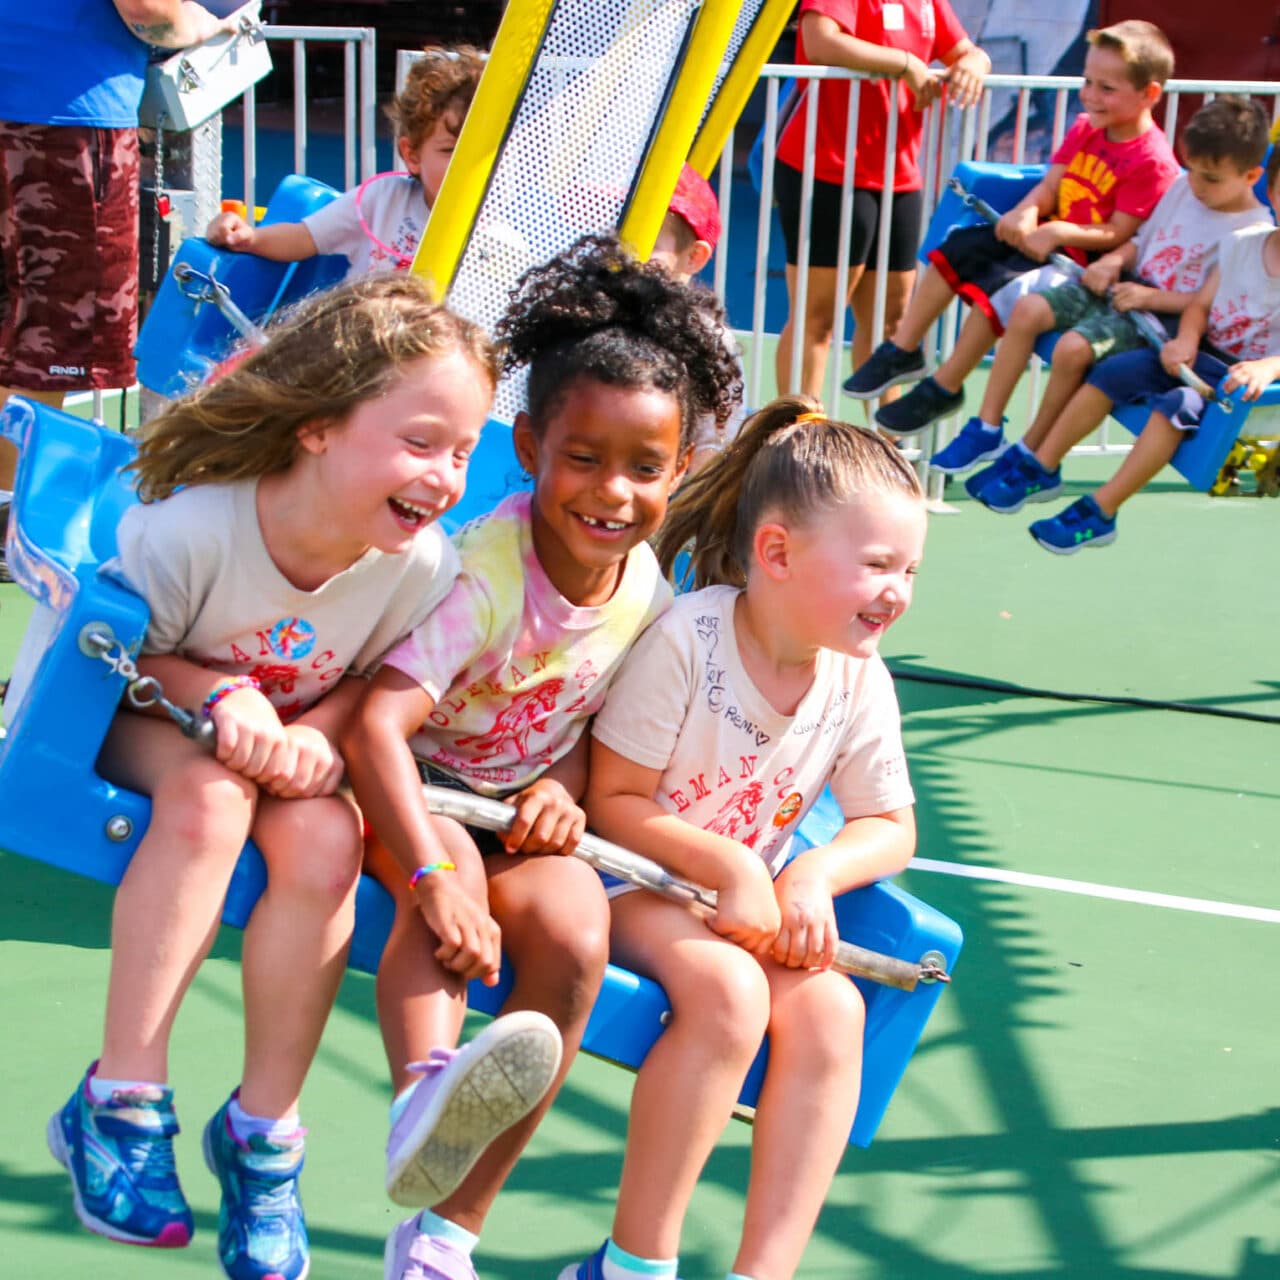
{"x": 1107, "y": 331}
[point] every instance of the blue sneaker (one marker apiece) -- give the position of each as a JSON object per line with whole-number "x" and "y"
{"x": 1076, "y": 527}
{"x": 1023, "y": 480}
{"x": 976, "y": 443}
{"x": 885, "y": 367}
{"x": 119, "y": 1154}
{"x": 926, "y": 402}
{"x": 592, "y": 1269}
{"x": 975, "y": 484}
{"x": 261, "y": 1233}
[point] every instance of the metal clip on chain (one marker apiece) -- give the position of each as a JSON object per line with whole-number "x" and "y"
{"x": 97, "y": 640}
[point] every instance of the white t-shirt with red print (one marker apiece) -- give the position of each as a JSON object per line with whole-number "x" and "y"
{"x": 1178, "y": 244}
{"x": 515, "y": 669}
{"x": 216, "y": 597}
{"x": 684, "y": 704}
{"x": 1245, "y": 317}
{"x": 394, "y": 208}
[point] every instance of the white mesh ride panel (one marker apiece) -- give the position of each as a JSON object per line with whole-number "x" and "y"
{"x": 575, "y": 147}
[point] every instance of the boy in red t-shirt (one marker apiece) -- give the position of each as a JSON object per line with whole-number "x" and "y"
{"x": 1103, "y": 182}
{"x": 896, "y": 39}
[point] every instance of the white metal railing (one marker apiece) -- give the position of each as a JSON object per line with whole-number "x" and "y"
{"x": 949, "y": 135}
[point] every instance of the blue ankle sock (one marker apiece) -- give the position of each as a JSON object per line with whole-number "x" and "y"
{"x": 618, "y": 1264}
{"x": 244, "y": 1125}
{"x": 432, "y": 1224}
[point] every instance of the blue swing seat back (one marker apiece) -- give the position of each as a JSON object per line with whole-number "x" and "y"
{"x": 69, "y": 498}
{"x": 181, "y": 340}
{"x": 1200, "y": 456}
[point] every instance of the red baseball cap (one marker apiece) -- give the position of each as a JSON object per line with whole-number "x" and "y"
{"x": 696, "y": 203}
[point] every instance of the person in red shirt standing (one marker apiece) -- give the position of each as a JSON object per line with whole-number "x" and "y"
{"x": 897, "y": 39}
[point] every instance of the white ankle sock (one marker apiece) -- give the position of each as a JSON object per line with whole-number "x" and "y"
{"x": 100, "y": 1090}
{"x": 993, "y": 426}
{"x": 244, "y": 1125}
{"x": 432, "y": 1224}
{"x": 618, "y": 1264}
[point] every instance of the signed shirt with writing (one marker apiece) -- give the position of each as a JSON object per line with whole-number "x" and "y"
{"x": 684, "y": 704}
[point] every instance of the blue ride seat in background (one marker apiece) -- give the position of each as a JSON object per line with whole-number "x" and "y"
{"x": 181, "y": 339}
{"x": 1200, "y": 457}
{"x": 68, "y": 501}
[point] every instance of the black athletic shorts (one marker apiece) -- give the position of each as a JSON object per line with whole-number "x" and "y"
{"x": 864, "y": 234}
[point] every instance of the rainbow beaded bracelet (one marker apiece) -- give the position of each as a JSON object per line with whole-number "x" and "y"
{"x": 423, "y": 872}
{"x": 224, "y": 687}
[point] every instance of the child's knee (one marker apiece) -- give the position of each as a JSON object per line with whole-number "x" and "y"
{"x": 207, "y": 808}
{"x": 1031, "y": 314}
{"x": 826, "y": 1018}
{"x": 313, "y": 849}
{"x": 1072, "y": 354}
{"x": 726, "y": 997}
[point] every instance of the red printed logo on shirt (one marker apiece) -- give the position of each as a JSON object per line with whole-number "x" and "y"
{"x": 739, "y": 812}
{"x": 526, "y": 714}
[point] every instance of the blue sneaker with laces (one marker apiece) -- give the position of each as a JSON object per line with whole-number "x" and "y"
{"x": 119, "y": 1154}
{"x": 885, "y": 367}
{"x": 1023, "y": 480}
{"x": 975, "y": 484}
{"x": 976, "y": 443}
{"x": 1076, "y": 527}
{"x": 261, "y": 1232}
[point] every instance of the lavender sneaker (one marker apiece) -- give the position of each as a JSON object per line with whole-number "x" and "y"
{"x": 410, "y": 1255}
{"x": 466, "y": 1098}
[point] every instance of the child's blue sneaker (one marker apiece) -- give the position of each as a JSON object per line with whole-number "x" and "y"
{"x": 1022, "y": 480}
{"x": 261, "y": 1232}
{"x": 119, "y": 1154}
{"x": 1080, "y": 525}
{"x": 925, "y": 403}
{"x": 885, "y": 367}
{"x": 976, "y": 443}
{"x": 592, "y": 1269}
{"x": 410, "y": 1255}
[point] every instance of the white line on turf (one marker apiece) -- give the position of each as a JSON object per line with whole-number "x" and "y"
{"x": 1174, "y": 902}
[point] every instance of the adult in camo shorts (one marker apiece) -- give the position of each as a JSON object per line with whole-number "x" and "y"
{"x": 71, "y": 79}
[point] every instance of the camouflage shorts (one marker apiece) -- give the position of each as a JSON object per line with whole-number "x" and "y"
{"x": 1079, "y": 309}
{"x": 69, "y": 244}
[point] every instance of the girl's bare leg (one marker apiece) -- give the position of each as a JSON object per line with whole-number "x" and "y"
{"x": 815, "y": 347}
{"x": 420, "y": 1003}
{"x": 170, "y": 900}
{"x": 897, "y": 292}
{"x": 685, "y": 1091}
{"x": 555, "y": 930}
{"x": 803, "y": 1116}
{"x": 296, "y": 942}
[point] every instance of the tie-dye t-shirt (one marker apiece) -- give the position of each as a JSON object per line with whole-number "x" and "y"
{"x": 514, "y": 669}
{"x": 216, "y": 597}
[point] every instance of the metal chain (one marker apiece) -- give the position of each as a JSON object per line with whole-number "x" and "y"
{"x": 142, "y": 691}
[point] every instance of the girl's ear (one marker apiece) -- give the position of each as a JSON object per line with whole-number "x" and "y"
{"x": 314, "y": 436}
{"x": 525, "y": 441}
{"x": 771, "y": 549}
{"x": 408, "y": 154}
{"x": 682, "y": 466}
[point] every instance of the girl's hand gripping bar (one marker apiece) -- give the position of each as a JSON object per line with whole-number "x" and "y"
{"x": 636, "y": 869}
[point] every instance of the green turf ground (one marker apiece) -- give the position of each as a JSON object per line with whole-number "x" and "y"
{"x": 1096, "y": 1096}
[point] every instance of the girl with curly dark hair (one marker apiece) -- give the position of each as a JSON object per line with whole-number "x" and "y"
{"x": 492, "y": 694}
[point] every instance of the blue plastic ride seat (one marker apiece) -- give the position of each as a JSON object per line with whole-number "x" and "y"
{"x": 1200, "y": 456}
{"x": 61, "y": 699}
{"x": 182, "y": 339}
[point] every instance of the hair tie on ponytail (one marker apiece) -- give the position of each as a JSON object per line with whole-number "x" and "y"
{"x": 810, "y": 417}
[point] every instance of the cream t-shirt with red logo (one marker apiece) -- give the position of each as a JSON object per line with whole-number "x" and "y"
{"x": 684, "y": 704}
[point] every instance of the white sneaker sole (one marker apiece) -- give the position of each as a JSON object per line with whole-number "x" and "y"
{"x": 494, "y": 1081}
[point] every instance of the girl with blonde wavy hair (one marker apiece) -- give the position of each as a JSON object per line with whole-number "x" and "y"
{"x": 285, "y": 541}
